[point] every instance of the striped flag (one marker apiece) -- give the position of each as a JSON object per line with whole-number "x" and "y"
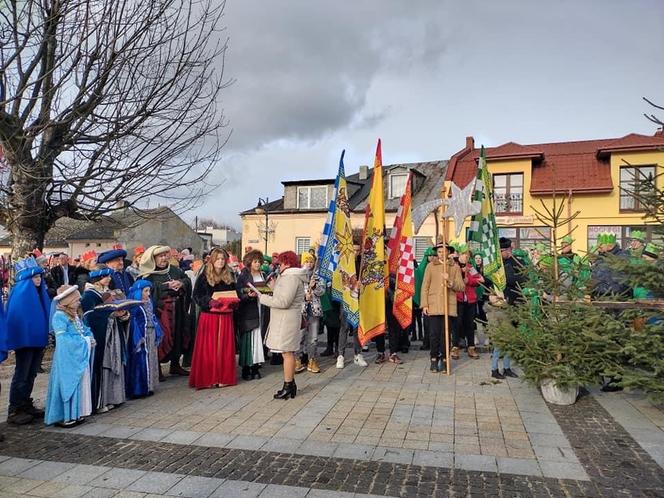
{"x": 373, "y": 270}
{"x": 483, "y": 229}
{"x": 401, "y": 259}
{"x": 326, "y": 249}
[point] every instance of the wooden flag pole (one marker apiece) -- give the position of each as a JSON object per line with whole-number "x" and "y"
{"x": 446, "y": 306}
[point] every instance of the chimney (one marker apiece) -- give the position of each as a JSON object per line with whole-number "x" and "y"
{"x": 470, "y": 143}
{"x": 660, "y": 132}
{"x": 364, "y": 172}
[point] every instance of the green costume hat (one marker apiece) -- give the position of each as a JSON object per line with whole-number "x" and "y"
{"x": 567, "y": 240}
{"x": 540, "y": 248}
{"x": 637, "y": 235}
{"x": 651, "y": 250}
{"x": 606, "y": 238}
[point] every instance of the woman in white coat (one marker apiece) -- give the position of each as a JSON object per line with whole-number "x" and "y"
{"x": 284, "y": 331}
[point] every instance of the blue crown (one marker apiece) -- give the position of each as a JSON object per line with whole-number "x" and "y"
{"x": 27, "y": 268}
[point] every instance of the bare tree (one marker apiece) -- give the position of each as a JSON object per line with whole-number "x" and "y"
{"x": 104, "y": 101}
{"x": 652, "y": 117}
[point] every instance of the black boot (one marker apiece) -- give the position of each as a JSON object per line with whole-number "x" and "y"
{"x": 246, "y": 375}
{"x": 31, "y": 409}
{"x": 508, "y": 372}
{"x": 496, "y": 374}
{"x": 434, "y": 365}
{"x": 17, "y": 416}
{"x": 288, "y": 391}
{"x": 256, "y": 372}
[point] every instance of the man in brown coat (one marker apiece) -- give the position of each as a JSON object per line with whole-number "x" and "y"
{"x": 438, "y": 275}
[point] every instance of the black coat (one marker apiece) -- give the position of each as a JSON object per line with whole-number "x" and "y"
{"x": 248, "y": 317}
{"x": 59, "y": 276}
{"x": 203, "y": 291}
{"x": 515, "y": 278}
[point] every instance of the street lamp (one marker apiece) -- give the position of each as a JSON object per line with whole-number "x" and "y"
{"x": 261, "y": 209}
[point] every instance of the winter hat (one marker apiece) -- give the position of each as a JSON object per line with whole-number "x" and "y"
{"x": 67, "y": 295}
{"x": 307, "y": 257}
{"x": 505, "y": 243}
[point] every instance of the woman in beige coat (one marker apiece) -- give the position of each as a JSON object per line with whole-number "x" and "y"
{"x": 438, "y": 275}
{"x": 284, "y": 331}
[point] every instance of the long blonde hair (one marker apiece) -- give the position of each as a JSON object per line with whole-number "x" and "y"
{"x": 224, "y": 275}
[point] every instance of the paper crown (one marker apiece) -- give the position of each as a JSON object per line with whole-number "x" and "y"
{"x": 606, "y": 238}
{"x": 567, "y": 240}
{"x": 26, "y": 268}
{"x": 89, "y": 256}
{"x": 651, "y": 250}
{"x": 637, "y": 235}
{"x": 138, "y": 250}
{"x": 117, "y": 246}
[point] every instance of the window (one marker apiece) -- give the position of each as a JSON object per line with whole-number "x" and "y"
{"x": 525, "y": 237}
{"x": 632, "y": 184}
{"x": 508, "y": 194}
{"x": 312, "y": 197}
{"x": 398, "y": 185}
{"x": 302, "y": 244}
{"x": 421, "y": 244}
{"x": 621, "y": 233}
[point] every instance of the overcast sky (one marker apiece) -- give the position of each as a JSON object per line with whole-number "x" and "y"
{"x": 315, "y": 77}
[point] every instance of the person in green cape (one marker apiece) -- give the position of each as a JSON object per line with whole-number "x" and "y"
{"x": 637, "y": 243}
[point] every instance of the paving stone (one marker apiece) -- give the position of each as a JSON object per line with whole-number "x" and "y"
{"x": 91, "y": 429}
{"x": 81, "y": 474}
{"x": 155, "y": 482}
{"x": 321, "y": 493}
{"x": 101, "y": 493}
{"x": 46, "y": 471}
{"x": 215, "y": 440}
{"x": 151, "y": 434}
{"x": 247, "y": 442}
{"x": 195, "y": 487}
{"x": 355, "y": 451}
{"x": 15, "y": 466}
{"x": 482, "y": 463}
{"x": 239, "y": 489}
{"x": 72, "y": 491}
{"x": 563, "y": 470}
{"x": 121, "y": 432}
{"x": 317, "y": 448}
{"x": 182, "y": 437}
{"x": 23, "y": 486}
{"x": 129, "y": 494}
{"x": 394, "y": 455}
{"x": 520, "y": 466}
{"x": 278, "y": 491}
{"x": 433, "y": 459}
{"x": 282, "y": 445}
{"x": 48, "y": 489}
{"x": 117, "y": 478}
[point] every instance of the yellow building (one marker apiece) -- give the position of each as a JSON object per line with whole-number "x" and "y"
{"x": 594, "y": 177}
{"x": 295, "y": 221}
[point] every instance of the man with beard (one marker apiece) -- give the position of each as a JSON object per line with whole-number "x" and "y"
{"x": 171, "y": 298}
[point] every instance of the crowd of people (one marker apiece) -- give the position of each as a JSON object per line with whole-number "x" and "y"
{"x": 115, "y": 323}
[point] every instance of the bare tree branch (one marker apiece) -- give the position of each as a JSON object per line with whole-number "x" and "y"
{"x": 107, "y": 100}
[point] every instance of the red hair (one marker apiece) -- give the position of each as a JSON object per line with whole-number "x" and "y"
{"x": 289, "y": 258}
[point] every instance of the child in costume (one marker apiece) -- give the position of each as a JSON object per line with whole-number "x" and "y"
{"x": 69, "y": 397}
{"x": 144, "y": 337}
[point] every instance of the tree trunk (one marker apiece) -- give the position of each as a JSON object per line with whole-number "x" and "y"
{"x": 25, "y": 240}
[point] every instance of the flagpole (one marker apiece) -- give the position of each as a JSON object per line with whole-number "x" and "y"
{"x": 446, "y": 306}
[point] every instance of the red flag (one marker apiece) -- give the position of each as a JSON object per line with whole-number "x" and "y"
{"x": 402, "y": 259}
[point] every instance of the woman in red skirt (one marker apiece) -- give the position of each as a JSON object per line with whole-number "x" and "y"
{"x": 213, "y": 362}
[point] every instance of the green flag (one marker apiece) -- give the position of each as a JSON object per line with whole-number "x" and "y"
{"x": 483, "y": 230}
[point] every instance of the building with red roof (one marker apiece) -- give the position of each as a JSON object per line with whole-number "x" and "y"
{"x": 594, "y": 176}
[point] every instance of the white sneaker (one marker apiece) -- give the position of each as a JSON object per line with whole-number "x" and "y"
{"x": 340, "y": 361}
{"x": 360, "y": 361}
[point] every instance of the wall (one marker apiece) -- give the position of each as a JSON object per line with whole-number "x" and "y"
{"x": 171, "y": 231}
{"x": 290, "y": 226}
{"x": 595, "y": 209}
{"x": 77, "y": 248}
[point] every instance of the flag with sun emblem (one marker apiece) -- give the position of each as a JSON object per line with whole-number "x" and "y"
{"x": 344, "y": 277}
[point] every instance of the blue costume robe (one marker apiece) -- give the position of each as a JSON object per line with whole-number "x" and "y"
{"x": 97, "y": 320}
{"x": 28, "y": 310}
{"x": 144, "y": 337}
{"x": 71, "y": 358}
{"x": 121, "y": 280}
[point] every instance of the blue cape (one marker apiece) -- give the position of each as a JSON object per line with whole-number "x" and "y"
{"x": 3, "y": 334}
{"x": 28, "y": 310}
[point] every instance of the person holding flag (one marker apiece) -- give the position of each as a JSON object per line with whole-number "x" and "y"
{"x": 373, "y": 268}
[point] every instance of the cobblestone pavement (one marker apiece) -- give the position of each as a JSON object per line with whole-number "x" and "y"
{"x": 384, "y": 430}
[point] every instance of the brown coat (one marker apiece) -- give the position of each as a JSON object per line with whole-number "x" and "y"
{"x": 432, "y": 288}
{"x": 283, "y": 333}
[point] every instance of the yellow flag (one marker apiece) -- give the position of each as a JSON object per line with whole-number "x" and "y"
{"x": 373, "y": 269}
